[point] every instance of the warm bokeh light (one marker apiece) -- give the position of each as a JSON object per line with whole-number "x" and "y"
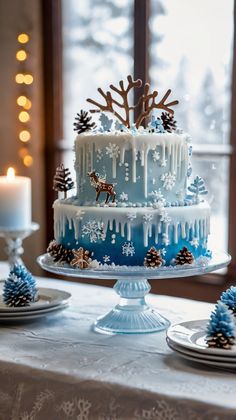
{"x": 21, "y": 100}
{"x": 28, "y": 79}
{"x": 24, "y": 116}
{"x": 23, "y": 152}
{"x": 28, "y": 160}
{"x": 20, "y": 78}
{"x": 24, "y": 136}
{"x": 23, "y": 38}
{"x": 21, "y": 55}
{"x": 10, "y": 174}
{"x": 28, "y": 104}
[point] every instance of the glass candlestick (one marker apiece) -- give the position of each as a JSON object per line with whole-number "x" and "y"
{"x": 14, "y": 239}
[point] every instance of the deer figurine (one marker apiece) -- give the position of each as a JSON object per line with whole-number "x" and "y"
{"x": 101, "y": 185}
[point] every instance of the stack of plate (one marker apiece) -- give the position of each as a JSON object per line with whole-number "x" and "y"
{"x": 49, "y": 302}
{"x": 188, "y": 340}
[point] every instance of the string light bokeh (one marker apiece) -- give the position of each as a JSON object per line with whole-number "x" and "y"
{"x": 24, "y": 79}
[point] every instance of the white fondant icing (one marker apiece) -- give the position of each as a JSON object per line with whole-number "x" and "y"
{"x": 182, "y": 220}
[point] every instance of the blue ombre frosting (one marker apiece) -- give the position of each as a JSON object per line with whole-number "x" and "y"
{"x": 149, "y": 172}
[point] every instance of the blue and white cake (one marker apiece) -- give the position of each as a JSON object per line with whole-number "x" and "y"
{"x": 133, "y": 191}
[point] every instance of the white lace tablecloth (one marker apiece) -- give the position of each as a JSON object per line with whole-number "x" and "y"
{"x": 58, "y": 368}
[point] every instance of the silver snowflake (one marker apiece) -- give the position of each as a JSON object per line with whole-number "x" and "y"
{"x": 163, "y": 162}
{"x": 124, "y": 196}
{"x": 112, "y": 150}
{"x": 94, "y": 230}
{"x": 131, "y": 216}
{"x": 194, "y": 242}
{"x": 106, "y": 258}
{"x": 165, "y": 218}
{"x": 128, "y": 249}
{"x": 156, "y": 156}
{"x": 168, "y": 180}
{"x": 147, "y": 217}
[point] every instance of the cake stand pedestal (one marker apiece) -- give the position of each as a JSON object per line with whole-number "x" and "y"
{"x": 132, "y": 314}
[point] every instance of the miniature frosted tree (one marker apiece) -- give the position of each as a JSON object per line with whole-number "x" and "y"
{"x": 62, "y": 180}
{"x": 220, "y": 329}
{"x": 229, "y": 298}
{"x": 198, "y": 188}
{"x": 20, "y": 287}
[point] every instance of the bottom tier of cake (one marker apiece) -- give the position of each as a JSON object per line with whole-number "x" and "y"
{"x": 123, "y": 236}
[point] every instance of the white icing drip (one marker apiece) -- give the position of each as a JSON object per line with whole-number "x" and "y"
{"x": 134, "y": 164}
{"x": 194, "y": 219}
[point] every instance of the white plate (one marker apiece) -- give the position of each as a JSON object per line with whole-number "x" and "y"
{"x": 198, "y": 355}
{"x": 48, "y": 298}
{"x": 205, "y": 361}
{"x": 192, "y": 334}
{"x": 32, "y": 315}
{"x": 35, "y": 312}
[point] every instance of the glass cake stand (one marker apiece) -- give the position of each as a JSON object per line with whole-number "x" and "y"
{"x": 132, "y": 314}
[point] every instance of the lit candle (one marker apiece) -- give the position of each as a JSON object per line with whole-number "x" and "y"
{"x": 15, "y": 201}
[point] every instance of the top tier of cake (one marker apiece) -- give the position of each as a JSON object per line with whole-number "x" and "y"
{"x": 143, "y": 166}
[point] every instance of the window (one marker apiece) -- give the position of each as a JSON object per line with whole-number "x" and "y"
{"x": 185, "y": 45}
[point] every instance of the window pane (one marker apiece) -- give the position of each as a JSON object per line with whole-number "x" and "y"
{"x": 191, "y": 52}
{"x": 97, "y": 50}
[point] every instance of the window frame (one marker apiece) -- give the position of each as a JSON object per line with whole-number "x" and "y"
{"x": 55, "y": 146}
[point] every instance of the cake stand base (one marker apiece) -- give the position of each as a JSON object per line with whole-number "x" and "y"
{"x": 132, "y": 315}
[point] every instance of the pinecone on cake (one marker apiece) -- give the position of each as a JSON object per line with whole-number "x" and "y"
{"x": 59, "y": 253}
{"x": 153, "y": 258}
{"x": 83, "y": 123}
{"x": 168, "y": 122}
{"x": 81, "y": 258}
{"x": 17, "y": 291}
{"x": 184, "y": 256}
{"x": 220, "y": 329}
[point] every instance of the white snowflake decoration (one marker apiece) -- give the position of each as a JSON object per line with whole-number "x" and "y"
{"x": 99, "y": 154}
{"x": 165, "y": 239}
{"x": 194, "y": 242}
{"x": 124, "y": 196}
{"x": 165, "y": 218}
{"x": 163, "y": 162}
{"x": 163, "y": 251}
{"x": 131, "y": 216}
{"x": 106, "y": 258}
{"x": 156, "y": 156}
{"x": 94, "y": 230}
{"x": 112, "y": 150}
{"x": 202, "y": 261}
{"x": 128, "y": 249}
{"x": 168, "y": 180}
{"x": 147, "y": 217}
{"x": 79, "y": 214}
{"x": 156, "y": 195}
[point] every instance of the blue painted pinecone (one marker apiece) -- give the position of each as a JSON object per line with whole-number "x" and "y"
{"x": 229, "y": 298}
{"x": 17, "y": 291}
{"x": 20, "y": 271}
{"x": 220, "y": 329}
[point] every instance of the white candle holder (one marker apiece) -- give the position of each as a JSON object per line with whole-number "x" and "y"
{"x": 14, "y": 239}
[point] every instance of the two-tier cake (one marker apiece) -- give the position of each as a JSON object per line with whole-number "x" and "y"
{"x": 136, "y": 202}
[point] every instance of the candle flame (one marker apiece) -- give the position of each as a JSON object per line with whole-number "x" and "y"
{"x": 10, "y": 174}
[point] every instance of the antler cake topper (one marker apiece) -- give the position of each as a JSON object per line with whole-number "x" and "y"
{"x": 146, "y": 103}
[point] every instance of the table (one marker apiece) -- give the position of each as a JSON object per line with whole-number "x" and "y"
{"x": 58, "y": 368}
